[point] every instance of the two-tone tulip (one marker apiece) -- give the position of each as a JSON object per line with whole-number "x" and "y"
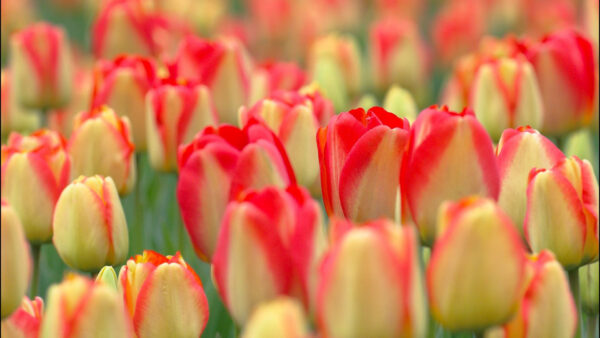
{"x": 176, "y": 111}
{"x": 370, "y": 282}
{"x": 360, "y": 156}
{"x": 41, "y": 66}
{"x": 562, "y": 212}
{"x": 219, "y": 164}
{"x": 163, "y": 296}
{"x": 282, "y": 317}
{"x": 25, "y": 322}
{"x": 588, "y": 288}
{"x": 274, "y": 76}
{"x": 295, "y": 118}
{"x": 224, "y": 66}
{"x": 122, "y": 84}
{"x": 78, "y": 307}
{"x": 450, "y": 156}
{"x": 270, "y": 244}
{"x": 477, "y": 270}
{"x": 101, "y": 145}
{"x": 89, "y": 224}
{"x": 16, "y": 261}
{"x": 547, "y": 308}
{"x": 14, "y": 116}
{"x": 519, "y": 151}
{"x": 35, "y": 169}
{"x": 564, "y": 64}
{"x": 401, "y": 103}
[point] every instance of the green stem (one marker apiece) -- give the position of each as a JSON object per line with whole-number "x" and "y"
{"x": 574, "y": 283}
{"x": 591, "y": 325}
{"x": 35, "y": 253}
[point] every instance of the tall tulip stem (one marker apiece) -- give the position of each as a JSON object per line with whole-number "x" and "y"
{"x": 574, "y": 283}
{"x": 590, "y": 321}
{"x": 35, "y": 252}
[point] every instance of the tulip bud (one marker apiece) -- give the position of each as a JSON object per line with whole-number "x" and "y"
{"x": 107, "y": 276}
{"x": 89, "y": 224}
{"x": 562, "y": 212}
{"x": 224, "y": 66}
{"x": 35, "y": 169}
{"x": 273, "y": 76}
{"x": 547, "y": 308}
{"x": 16, "y": 261}
{"x": 397, "y": 56}
{"x": 41, "y": 66}
{"x": 176, "y": 112}
{"x": 564, "y": 65}
{"x": 219, "y": 164}
{"x": 16, "y": 15}
{"x": 101, "y": 145}
{"x": 122, "y": 84}
{"x": 366, "y": 101}
{"x": 269, "y": 245}
{"x": 450, "y": 156}
{"x": 78, "y": 307}
{"x": 204, "y": 15}
{"x": 25, "y": 322}
{"x": 282, "y": 317}
{"x": 360, "y": 155}
{"x": 505, "y": 94}
{"x": 399, "y": 101}
{"x": 519, "y": 151}
{"x": 14, "y": 116}
{"x": 588, "y": 288}
{"x": 580, "y": 144}
{"x": 163, "y": 295}
{"x": 476, "y": 271}
{"x": 371, "y": 283}
{"x": 295, "y": 118}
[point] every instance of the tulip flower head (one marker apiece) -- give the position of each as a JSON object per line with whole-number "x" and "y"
{"x": 14, "y": 116}
{"x": 26, "y": 320}
{"x": 282, "y": 317}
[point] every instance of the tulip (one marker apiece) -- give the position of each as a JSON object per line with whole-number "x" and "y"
{"x": 368, "y": 100}
{"x": 122, "y": 84}
{"x": 26, "y": 321}
{"x": 282, "y": 317}
{"x": 41, "y": 66}
{"x": 175, "y": 113}
{"x": 62, "y": 119}
{"x": 163, "y": 296}
{"x": 546, "y": 16}
{"x": 399, "y": 101}
{"x": 35, "y": 169}
{"x": 108, "y": 276}
{"x": 547, "y": 308}
{"x": 89, "y": 224}
{"x": 564, "y": 65}
{"x": 360, "y": 155}
{"x": 219, "y": 164}
{"x": 270, "y": 244}
{"x": 581, "y": 144}
{"x": 204, "y": 15}
{"x": 78, "y": 307}
{"x": 450, "y": 156}
{"x": 14, "y": 16}
{"x": 505, "y": 94}
{"x": 101, "y": 145}
{"x": 273, "y": 76}
{"x": 591, "y": 21}
{"x": 562, "y": 212}
{"x": 588, "y": 286}
{"x": 14, "y": 116}
{"x": 397, "y": 56}
{"x": 295, "y": 118}
{"x": 16, "y": 261}
{"x": 370, "y": 282}
{"x": 476, "y": 272}
{"x": 224, "y": 66}
{"x": 518, "y": 152}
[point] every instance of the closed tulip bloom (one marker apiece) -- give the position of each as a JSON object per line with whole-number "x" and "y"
{"x": 519, "y": 151}
{"x": 269, "y": 246}
{"x": 89, "y": 224}
{"x": 360, "y": 155}
{"x": 219, "y": 164}
{"x": 588, "y": 288}
{"x": 122, "y": 84}
{"x": 35, "y": 169}
{"x": 581, "y": 144}
{"x": 41, "y": 66}
{"x": 450, "y": 156}
{"x": 16, "y": 261}
{"x": 14, "y": 116}
{"x": 26, "y": 321}
{"x": 163, "y": 296}
{"x": 476, "y": 272}
{"x": 505, "y": 94}
{"x": 108, "y": 276}
{"x": 282, "y": 317}
{"x": 78, "y": 307}
{"x": 564, "y": 65}
{"x": 175, "y": 113}
{"x": 547, "y": 308}
{"x": 224, "y": 66}
{"x": 399, "y": 102}
{"x": 371, "y": 282}
{"x": 295, "y": 118}
{"x": 562, "y": 212}
{"x": 274, "y": 76}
